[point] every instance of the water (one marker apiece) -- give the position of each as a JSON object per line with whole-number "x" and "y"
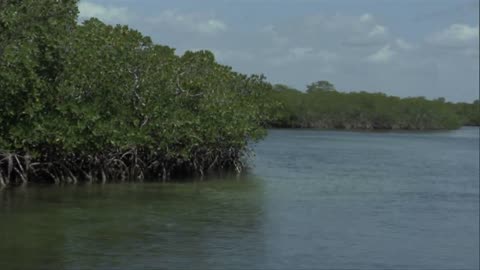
{"x": 313, "y": 200}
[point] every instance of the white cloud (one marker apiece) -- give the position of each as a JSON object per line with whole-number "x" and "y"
{"x": 330, "y": 41}
{"x": 340, "y": 22}
{"x": 354, "y": 31}
{"x": 383, "y": 55}
{"x": 365, "y": 18}
{"x": 302, "y": 54}
{"x": 106, "y": 14}
{"x": 378, "y": 31}
{"x": 456, "y": 35}
{"x": 212, "y": 26}
{"x": 190, "y": 22}
{"x": 402, "y": 44}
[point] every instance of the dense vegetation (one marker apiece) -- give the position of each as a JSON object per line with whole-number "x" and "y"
{"x": 469, "y": 113}
{"x": 321, "y": 106}
{"x": 94, "y": 102}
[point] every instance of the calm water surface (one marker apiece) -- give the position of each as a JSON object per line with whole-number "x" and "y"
{"x": 313, "y": 200}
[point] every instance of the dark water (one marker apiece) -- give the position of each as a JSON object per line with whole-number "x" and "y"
{"x": 314, "y": 200}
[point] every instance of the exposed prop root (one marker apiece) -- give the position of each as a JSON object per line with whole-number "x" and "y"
{"x": 116, "y": 166}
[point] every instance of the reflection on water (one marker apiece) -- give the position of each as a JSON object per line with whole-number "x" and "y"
{"x": 130, "y": 226}
{"x": 313, "y": 200}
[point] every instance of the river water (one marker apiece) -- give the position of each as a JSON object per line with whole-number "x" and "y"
{"x": 312, "y": 200}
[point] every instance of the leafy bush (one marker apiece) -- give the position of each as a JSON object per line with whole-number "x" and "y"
{"x": 98, "y": 102}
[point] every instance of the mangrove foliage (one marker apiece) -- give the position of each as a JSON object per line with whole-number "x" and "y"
{"x": 94, "y": 102}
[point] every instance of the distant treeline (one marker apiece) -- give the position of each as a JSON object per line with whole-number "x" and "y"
{"x": 322, "y": 106}
{"x": 94, "y": 102}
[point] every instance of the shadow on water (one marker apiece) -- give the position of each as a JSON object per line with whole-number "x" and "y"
{"x": 128, "y": 226}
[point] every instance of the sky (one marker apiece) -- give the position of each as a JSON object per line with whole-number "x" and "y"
{"x": 400, "y": 47}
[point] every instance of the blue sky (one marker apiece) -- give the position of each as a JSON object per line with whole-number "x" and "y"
{"x": 400, "y": 47}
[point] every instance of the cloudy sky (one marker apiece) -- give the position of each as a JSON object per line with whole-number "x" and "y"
{"x": 405, "y": 48}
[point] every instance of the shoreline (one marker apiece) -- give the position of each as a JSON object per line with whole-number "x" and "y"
{"x": 370, "y": 130}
